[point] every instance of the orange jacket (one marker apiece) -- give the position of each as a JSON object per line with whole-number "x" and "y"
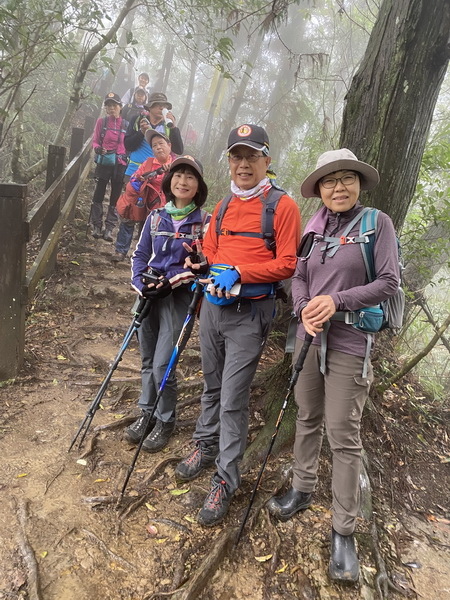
{"x": 255, "y": 261}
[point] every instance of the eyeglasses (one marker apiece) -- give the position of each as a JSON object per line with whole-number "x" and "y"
{"x": 331, "y": 182}
{"x": 251, "y": 158}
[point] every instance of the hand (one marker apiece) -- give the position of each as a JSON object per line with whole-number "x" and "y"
{"x": 196, "y": 261}
{"x": 163, "y": 289}
{"x": 169, "y": 115}
{"x": 144, "y": 125}
{"x": 136, "y": 184}
{"x": 222, "y": 284}
{"x": 99, "y": 150}
{"x": 318, "y": 310}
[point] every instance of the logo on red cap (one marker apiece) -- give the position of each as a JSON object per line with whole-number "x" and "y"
{"x": 244, "y": 131}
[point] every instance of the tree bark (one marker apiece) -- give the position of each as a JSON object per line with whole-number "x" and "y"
{"x": 390, "y": 104}
{"x": 189, "y": 94}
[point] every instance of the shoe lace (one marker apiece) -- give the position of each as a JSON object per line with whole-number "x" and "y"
{"x": 195, "y": 457}
{"x": 216, "y": 495}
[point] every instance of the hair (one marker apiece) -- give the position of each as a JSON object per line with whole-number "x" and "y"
{"x": 202, "y": 192}
{"x": 144, "y": 75}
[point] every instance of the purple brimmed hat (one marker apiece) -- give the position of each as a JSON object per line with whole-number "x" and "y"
{"x": 338, "y": 160}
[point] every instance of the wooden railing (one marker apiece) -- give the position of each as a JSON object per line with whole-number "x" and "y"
{"x": 18, "y": 227}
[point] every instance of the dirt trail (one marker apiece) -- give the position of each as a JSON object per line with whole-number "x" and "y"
{"x": 86, "y": 551}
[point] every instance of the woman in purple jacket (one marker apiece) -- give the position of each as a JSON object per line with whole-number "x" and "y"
{"x": 160, "y": 250}
{"x": 329, "y": 284}
{"x": 111, "y": 162}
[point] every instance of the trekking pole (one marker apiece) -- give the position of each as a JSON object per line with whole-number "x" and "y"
{"x": 140, "y": 313}
{"x": 185, "y": 333}
{"x": 296, "y": 372}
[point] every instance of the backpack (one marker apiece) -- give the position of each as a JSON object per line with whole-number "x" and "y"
{"x": 394, "y": 307}
{"x": 110, "y": 157}
{"x": 389, "y": 313}
{"x": 197, "y": 229}
{"x": 270, "y": 204}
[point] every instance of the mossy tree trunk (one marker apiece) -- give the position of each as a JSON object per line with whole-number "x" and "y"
{"x": 391, "y": 100}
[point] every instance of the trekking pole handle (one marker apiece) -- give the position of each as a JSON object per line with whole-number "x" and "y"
{"x": 198, "y": 291}
{"x": 301, "y": 359}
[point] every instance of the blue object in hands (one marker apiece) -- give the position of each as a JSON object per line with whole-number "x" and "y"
{"x": 136, "y": 184}
{"x": 226, "y": 280}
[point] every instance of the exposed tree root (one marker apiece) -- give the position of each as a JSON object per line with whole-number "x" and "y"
{"x": 219, "y": 551}
{"x": 104, "y": 548}
{"x": 33, "y": 584}
{"x": 382, "y": 581}
{"x": 115, "y": 424}
{"x": 90, "y": 446}
{"x": 163, "y": 463}
{"x": 49, "y": 482}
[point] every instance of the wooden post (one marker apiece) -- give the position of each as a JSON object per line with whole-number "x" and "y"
{"x": 55, "y": 166}
{"x": 12, "y": 268}
{"x": 76, "y": 143}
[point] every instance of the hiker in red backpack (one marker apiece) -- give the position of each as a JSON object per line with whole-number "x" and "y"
{"x": 244, "y": 265}
{"x": 338, "y": 305}
{"x": 160, "y": 251}
{"x": 143, "y": 192}
{"x": 111, "y": 162}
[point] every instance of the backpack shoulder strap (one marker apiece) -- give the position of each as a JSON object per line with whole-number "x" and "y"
{"x": 222, "y": 209}
{"x": 103, "y": 131}
{"x": 268, "y": 215}
{"x": 367, "y": 228}
{"x": 155, "y": 219}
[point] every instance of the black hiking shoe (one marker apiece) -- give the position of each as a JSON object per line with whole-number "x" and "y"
{"x": 96, "y": 232}
{"x": 201, "y": 457}
{"x": 159, "y": 437}
{"x": 135, "y": 431}
{"x": 284, "y": 507}
{"x": 344, "y": 563}
{"x": 107, "y": 236}
{"x": 216, "y": 503}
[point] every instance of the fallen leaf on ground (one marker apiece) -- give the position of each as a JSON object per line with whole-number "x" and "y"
{"x": 263, "y": 558}
{"x": 22, "y": 475}
{"x": 179, "y": 491}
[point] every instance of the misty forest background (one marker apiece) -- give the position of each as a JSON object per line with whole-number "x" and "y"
{"x": 368, "y": 75}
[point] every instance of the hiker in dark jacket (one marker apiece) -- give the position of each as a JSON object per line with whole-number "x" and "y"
{"x": 151, "y": 118}
{"x": 136, "y": 106}
{"x": 160, "y": 249}
{"x": 328, "y": 285}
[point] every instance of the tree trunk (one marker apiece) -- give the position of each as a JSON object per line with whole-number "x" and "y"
{"x": 212, "y": 109}
{"x": 230, "y": 119}
{"x": 189, "y": 94}
{"x": 75, "y": 98}
{"x": 390, "y": 104}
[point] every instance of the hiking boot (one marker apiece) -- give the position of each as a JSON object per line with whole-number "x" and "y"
{"x": 216, "y": 503}
{"x": 201, "y": 457}
{"x": 135, "y": 431}
{"x": 118, "y": 256}
{"x": 107, "y": 236}
{"x": 344, "y": 563}
{"x": 159, "y": 436}
{"x": 96, "y": 232}
{"x": 285, "y": 507}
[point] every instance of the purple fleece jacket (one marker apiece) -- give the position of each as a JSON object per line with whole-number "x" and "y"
{"x": 344, "y": 278}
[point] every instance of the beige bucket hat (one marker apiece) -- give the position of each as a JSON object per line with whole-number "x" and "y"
{"x": 337, "y": 160}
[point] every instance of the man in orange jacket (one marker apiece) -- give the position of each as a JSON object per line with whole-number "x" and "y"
{"x": 242, "y": 272}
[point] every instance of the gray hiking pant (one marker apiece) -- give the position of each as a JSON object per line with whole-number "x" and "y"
{"x": 231, "y": 338}
{"x": 157, "y": 337}
{"x": 334, "y": 400}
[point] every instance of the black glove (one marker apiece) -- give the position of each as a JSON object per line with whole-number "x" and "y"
{"x": 153, "y": 293}
{"x": 98, "y": 150}
{"x": 198, "y": 258}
